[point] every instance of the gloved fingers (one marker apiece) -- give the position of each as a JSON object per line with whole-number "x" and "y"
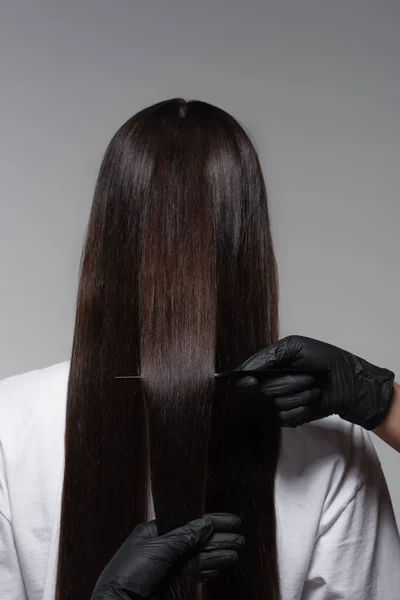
{"x": 205, "y": 575}
{"x": 298, "y": 416}
{"x": 291, "y": 351}
{"x": 221, "y": 521}
{"x": 224, "y": 541}
{"x": 186, "y": 539}
{"x": 305, "y": 398}
{"x": 258, "y": 362}
{"x": 224, "y": 522}
{"x": 267, "y": 358}
{"x": 286, "y": 385}
{"x": 217, "y": 560}
{"x": 247, "y": 385}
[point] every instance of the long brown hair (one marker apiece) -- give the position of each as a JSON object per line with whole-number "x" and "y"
{"x": 178, "y": 281}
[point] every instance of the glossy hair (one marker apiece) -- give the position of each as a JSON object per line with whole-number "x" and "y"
{"x": 178, "y": 281}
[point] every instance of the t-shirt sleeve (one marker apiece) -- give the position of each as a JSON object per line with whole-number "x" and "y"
{"x": 11, "y": 582}
{"x": 357, "y": 550}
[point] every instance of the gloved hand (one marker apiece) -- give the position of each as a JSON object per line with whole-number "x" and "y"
{"x": 353, "y": 388}
{"x": 145, "y": 562}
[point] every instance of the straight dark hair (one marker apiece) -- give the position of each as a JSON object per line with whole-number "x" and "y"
{"x": 178, "y": 281}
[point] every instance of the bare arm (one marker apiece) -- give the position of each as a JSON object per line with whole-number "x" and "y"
{"x": 389, "y": 429}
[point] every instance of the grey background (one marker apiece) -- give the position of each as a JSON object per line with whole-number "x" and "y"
{"x": 317, "y": 83}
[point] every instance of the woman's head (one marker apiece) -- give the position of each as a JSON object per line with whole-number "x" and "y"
{"x": 178, "y": 281}
{"x": 183, "y": 179}
{"x": 182, "y": 148}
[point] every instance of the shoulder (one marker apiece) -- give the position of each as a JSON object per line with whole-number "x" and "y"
{"x": 32, "y": 405}
{"x": 25, "y": 395}
{"x": 332, "y": 456}
{"x": 33, "y": 379}
{"x": 32, "y": 408}
{"x": 32, "y": 425}
{"x": 334, "y": 502}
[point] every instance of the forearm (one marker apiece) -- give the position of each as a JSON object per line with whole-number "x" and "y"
{"x": 389, "y": 429}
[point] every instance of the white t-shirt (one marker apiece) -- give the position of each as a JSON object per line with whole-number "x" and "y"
{"x": 337, "y": 537}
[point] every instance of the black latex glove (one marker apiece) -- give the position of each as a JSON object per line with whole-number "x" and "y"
{"x": 353, "y": 388}
{"x": 146, "y": 562}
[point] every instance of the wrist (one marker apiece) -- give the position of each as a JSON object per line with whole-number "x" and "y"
{"x": 389, "y": 428}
